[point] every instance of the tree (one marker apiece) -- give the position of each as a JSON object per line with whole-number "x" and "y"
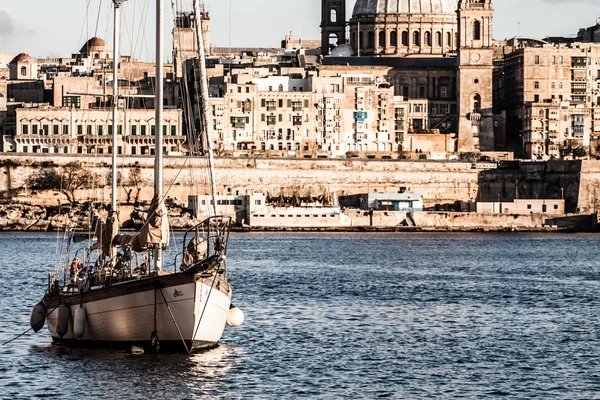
{"x": 66, "y": 179}
{"x": 133, "y": 182}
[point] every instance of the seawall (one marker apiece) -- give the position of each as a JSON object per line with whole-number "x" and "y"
{"x": 450, "y": 185}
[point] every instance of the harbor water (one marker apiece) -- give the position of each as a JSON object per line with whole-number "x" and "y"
{"x": 355, "y": 316}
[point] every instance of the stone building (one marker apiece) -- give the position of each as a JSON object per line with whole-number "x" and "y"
{"x": 403, "y": 27}
{"x": 551, "y": 94}
{"x": 185, "y": 43}
{"x": 46, "y": 129}
{"x": 437, "y": 52}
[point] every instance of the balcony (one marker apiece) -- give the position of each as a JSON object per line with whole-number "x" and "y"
{"x": 474, "y": 116}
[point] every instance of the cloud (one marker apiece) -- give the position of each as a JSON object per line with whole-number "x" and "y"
{"x": 8, "y": 26}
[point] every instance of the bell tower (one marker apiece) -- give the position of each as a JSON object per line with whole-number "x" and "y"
{"x": 333, "y": 24}
{"x": 475, "y": 67}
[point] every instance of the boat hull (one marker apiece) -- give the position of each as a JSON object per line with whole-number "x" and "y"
{"x": 181, "y": 308}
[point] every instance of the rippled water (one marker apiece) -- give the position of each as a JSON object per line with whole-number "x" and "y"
{"x": 406, "y": 316}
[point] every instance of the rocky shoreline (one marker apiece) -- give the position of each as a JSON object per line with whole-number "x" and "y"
{"x": 15, "y": 217}
{"x": 35, "y": 218}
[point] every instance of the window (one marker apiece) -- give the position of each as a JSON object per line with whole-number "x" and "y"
{"x": 394, "y": 38}
{"x": 416, "y": 38}
{"x": 333, "y": 15}
{"x": 133, "y": 130}
{"x": 173, "y": 130}
{"x": 382, "y": 38}
{"x": 537, "y": 60}
{"x": 448, "y": 39}
{"x": 25, "y": 129}
{"x": 23, "y": 71}
{"x": 405, "y": 38}
{"x": 65, "y": 129}
{"x": 428, "y": 38}
{"x": 476, "y": 30}
{"x": 438, "y": 39}
{"x": 536, "y": 85}
{"x": 444, "y": 92}
{"x": 371, "y": 39}
{"x": 476, "y": 103}
{"x": 55, "y": 129}
{"x": 529, "y": 206}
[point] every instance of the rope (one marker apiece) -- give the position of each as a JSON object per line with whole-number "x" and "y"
{"x": 19, "y": 335}
{"x": 16, "y": 337}
{"x": 175, "y": 322}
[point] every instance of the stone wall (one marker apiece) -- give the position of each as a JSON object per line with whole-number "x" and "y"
{"x": 442, "y": 184}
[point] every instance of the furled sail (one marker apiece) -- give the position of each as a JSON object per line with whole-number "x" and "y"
{"x": 156, "y": 229}
{"x": 104, "y": 231}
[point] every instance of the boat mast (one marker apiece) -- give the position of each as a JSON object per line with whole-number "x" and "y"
{"x": 158, "y": 121}
{"x": 204, "y": 97}
{"x": 115, "y": 110}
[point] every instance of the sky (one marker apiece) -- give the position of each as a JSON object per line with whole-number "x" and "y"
{"x": 59, "y": 28}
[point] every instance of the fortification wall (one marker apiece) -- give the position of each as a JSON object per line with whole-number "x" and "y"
{"x": 440, "y": 183}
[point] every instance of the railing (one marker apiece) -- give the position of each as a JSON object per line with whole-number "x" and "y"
{"x": 207, "y": 240}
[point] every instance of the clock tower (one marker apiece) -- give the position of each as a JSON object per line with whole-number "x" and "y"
{"x": 475, "y": 67}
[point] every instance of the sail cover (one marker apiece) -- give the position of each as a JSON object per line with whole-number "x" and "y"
{"x": 156, "y": 229}
{"x": 104, "y": 231}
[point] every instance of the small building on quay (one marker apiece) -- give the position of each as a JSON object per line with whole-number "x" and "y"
{"x": 407, "y": 202}
{"x": 522, "y": 206}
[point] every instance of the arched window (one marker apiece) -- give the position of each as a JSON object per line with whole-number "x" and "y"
{"x": 438, "y": 39}
{"x": 428, "y": 38}
{"x": 405, "y": 38}
{"x": 333, "y": 40}
{"x": 333, "y": 15}
{"x": 476, "y": 30}
{"x": 371, "y": 39}
{"x": 476, "y": 103}
{"x": 394, "y": 38}
{"x": 416, "y": 38}
{"x": 361, "y": 39}
{"x": 381, "y": 38}
{"x": 280, "y": 88}
{"x": 448, "y": 39}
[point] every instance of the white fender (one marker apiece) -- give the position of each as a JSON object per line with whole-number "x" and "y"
{"x": 38, "y": 316}
{"x": 64, "y": 315}
{"x": 235, "y": 317}
{"x": 80, "y": 321}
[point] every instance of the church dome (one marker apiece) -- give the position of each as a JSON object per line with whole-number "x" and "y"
{"x": 404, "y": 27}
{"x": 369, "y": 7}
{"x": 93, "y": 43}
{"x": 22, "y": 58}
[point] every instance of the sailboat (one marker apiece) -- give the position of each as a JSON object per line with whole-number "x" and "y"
{"x": 106, "y": 297}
